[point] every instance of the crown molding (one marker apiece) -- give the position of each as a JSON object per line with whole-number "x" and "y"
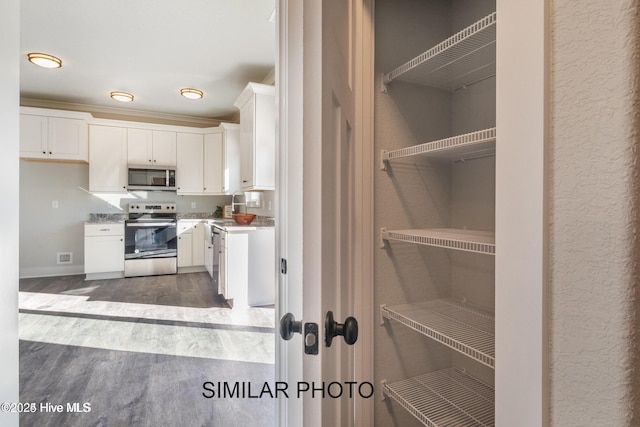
{"x": 114, "y": 113}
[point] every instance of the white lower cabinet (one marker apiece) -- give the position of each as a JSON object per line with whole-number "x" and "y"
{"x": 185, "y": 249}
{"x": 103, "y": 248}
{"x": 190, "y": 248}
{"x": 246, "y": 273}
{"x": 208, "y": 249}
{"x": 222, "y": 265}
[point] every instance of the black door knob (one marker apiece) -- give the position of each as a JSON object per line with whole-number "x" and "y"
{"x": 348, "y": 329}
{"x": 289, "y": 326}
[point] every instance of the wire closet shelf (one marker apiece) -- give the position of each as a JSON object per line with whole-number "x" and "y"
{"x": 482, "y": 242}
{"x": 445, "y": 398}
{"x": 463, "y": 327}
{"x": 478, "y": 143}
{"x": 463, "y": 59}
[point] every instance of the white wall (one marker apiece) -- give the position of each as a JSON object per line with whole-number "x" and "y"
{"x": 268, "y": 205}
{"x": 45, "y": 231}
{"x": 9, "y": 100}
{"x": 594, "y": 205}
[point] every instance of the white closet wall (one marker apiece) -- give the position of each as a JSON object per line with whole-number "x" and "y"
{"x": 420, "y": 192}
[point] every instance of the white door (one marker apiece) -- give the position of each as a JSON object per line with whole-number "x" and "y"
{"x": 325, "y": 219}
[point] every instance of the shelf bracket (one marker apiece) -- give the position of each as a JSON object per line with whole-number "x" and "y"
{"x": 383, "y": 385}
{"x": 384, "y": 160}
{"x": 383, "y": 83}
{"x": 383, "y": 313}
{"x": 383, "y": 237}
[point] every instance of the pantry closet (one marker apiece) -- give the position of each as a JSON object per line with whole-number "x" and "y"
{"x": 435, "y": 206}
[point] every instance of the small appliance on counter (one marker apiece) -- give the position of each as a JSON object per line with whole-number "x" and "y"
{"x": 151, "y": 242}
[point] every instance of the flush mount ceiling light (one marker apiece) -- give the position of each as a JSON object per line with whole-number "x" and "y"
{"x": 121, "y": 96}
{"x": 44, "y": 60}
{"x": 191, "y": 93}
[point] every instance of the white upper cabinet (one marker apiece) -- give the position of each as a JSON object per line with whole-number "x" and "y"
{"x": 151, "y": 147}
{"x": 222, "y": 160}
{"x": 34, "y": 142}
{"x": 190, "y": 166}
{"x": 164, "y": 148}
{"x": 257, "y": 137}
{"x": 140, "y": 146}
{"x": 107, "y": 159}
{"x": 53, "y": 138}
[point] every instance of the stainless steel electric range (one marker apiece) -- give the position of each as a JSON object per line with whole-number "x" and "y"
{"x": 151, "y": 243}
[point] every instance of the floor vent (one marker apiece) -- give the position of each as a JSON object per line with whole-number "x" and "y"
{"x": 65, "y": 257}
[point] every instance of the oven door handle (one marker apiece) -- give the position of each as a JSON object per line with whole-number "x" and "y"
{"x": 151, "y": 224}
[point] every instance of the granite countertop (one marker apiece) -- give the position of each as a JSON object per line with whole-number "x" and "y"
{"x": 259, "y": 222}
{"x": 195, "y": 215}
{"x": 106, "y": 218}
{"x": 228, "y": 224}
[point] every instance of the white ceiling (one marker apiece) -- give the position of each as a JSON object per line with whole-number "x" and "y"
{"x": 150, "y": 48}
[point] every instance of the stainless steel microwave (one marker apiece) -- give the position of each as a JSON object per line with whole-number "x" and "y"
{"x": 154, "y": 179}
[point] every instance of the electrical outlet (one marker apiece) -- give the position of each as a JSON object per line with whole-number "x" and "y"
{"x": 193, "y": 205}
{"x": 54, "y": 204}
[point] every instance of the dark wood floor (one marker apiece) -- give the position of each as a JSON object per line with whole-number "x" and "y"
{"x": 180, "y": 290}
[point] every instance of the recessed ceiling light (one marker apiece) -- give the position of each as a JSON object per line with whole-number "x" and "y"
{"x": 191, "y": 93}
{"x": 44, "y": 60}
{"x": 121, "y": 96}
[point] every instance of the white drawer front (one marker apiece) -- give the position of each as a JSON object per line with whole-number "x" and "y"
{"x": 186, "y": 226}
{"x": 104, "y": 229}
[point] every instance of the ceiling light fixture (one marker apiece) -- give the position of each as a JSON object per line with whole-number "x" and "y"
{"x": 121, "y": 96}
{"x": 44, "y": 60}
{"x": 191, "y": 93}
